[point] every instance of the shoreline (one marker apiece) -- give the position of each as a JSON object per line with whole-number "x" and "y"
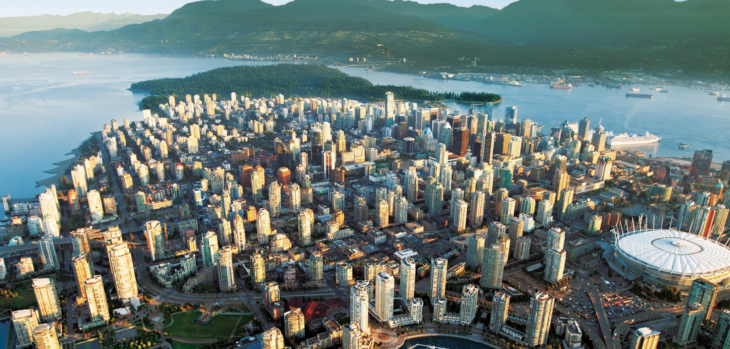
{"x": 62, "y": 166}
{"x": 423, "y": 335}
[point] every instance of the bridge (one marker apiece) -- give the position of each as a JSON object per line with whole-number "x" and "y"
{"x": 29, "y": 248}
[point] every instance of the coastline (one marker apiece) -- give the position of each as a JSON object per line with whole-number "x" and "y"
{"x": 423, "y": 335}
{"x": 62, "y": 166}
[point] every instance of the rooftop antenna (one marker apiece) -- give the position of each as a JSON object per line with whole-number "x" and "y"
{"x": 671, "y": 220}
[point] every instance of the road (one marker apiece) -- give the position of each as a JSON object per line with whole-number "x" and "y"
{"x": 601, "y": 316}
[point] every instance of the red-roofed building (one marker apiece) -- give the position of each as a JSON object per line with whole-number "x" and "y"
{"x": 309, "y": 310}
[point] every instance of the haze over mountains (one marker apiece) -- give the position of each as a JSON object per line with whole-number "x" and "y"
{"x": 660, "y": 36}
{"x": 86, "y": 21}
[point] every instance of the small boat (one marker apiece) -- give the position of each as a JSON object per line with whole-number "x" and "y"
{"x": 656, "y": 88}
{"x": 663, "y": 91}
{"x": 83, "y": 72}
{"x": 713, "y": 93}
{"x": 25, "y": 53}
{"x": 634, "y": 89}
{"x": 683, "y": 145}
{"x": 723, "y": 98}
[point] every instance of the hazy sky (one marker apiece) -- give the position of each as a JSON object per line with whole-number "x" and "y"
{"x": 11, "y": 8}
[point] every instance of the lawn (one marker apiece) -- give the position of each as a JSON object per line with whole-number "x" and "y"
{"x": 220, "y": 328}
{"x": 25, "y": 298}
{"x": 91, "y": 344}
{"x": 181, "y": 345}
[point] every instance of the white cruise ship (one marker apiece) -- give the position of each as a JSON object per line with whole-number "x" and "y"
{"x": 626, "y": 139}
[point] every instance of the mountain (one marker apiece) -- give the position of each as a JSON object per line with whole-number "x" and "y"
{"x": 42, "y": 35}
{"x": 87, "y": 21}
{"x": 601, "y": 22}
{"x": 452, "y": 16}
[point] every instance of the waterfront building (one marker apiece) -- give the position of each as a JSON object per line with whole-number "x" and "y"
{"x": 439, "y": 269}
{"x": 539, "y": 318}
{"x": 24, "y": 321}
{"x": 500, "y": 310}
{"x": 469, "y": 303}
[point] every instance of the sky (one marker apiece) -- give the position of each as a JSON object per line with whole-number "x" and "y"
{"x": 13, "y": 8}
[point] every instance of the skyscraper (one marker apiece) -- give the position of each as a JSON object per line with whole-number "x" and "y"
{"x": 47, "y": 251}
{"x": 412, "y": 184}
{"x": 239, "y": 233}
{"x": 705, "y": 293}
{"x": 78, "y": 177}
{"x": 316, "y": 267}
{"x": 407, "y": 278}
{"x": 583, "y": 127}
{"x": 500, "y": 310}
{"x": 82, "y": 271}
{"x": 439, "y": 269}
{"x": 258, "y": 269}
{"x": 155, "y": 239}
{"x": 469, "y": 303}
{"x": 382, "y": 211}
{"x": 460, "y": 217}
{"x": 80, "y": 242}
{"x": 476, "y": 215}
{"x": 209, "y": 249}
{"x": 49, "y": 206}
{"x": 359, "y": 306}
{"x": 47, "y": 299}
{"x": 475, "y": 250}
{"x": 538, "y": 321}
{"x": 384, "y": 290}
{"x": 721, "y": 335}
{"x": 555, "y": 239}
{"x": 510, "y": 116}
{"x": 507, "y": 210}
{"x": 294, "y": 323}
{"x": 561, "y": 180}
{"x": 226, "y": 281}
{"x": 492, "y": 267}
{"x": 554, "y": 265}
{"x": 460, "y": 141}
{"x": 263, "y": 226}
{"x": 351, "y": 336}
{"x": 96, "y": 298}
{"x": 689, "y": 325}
{"x": 120, "y": 264}
{"x": 488, "y": 142}
{"x": 304, "y": 233}
{"x": 343, "y": 274}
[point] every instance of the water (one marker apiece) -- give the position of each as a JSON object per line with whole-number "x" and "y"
{"x": 46, "y": 111}
{"x": 4, "y": 333}
{"x": 445, "y": 342}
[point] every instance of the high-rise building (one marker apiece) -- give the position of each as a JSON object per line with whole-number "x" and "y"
{"x": 359, "y": 306}
{"x": 475, "y": 250}
{"x": 383, "y": 212}
{"x": 554, "y": 265}
{"x": 701, "y": 163}
{"x": 351, "y": 336}
{"x": 272, "y": 293}
{"x": 49, "y": 205}
{"x": 47, "y": 251}
{"x": 603, "y": 168}
{"x": 96, "y": 299}
{"x": 407, "y": 278}
{"x": 469, "y": 303}
{"x": 500, "y": 310}
{"x": 494, "y": 232}
{"x": 24, "y": 321}
{"x": 209, "y": 249}
{"x": 721, "y": 335}
{"x": 96, "y": 207}
{"x": 644, "y": 338}
{"x": 460, "y": 141}
{"x": 155, "y": 239}
{"x": 239, "y": 233}
{"x": 705, "y": 293}
{"x": 273, "y": 339}
{"x": 492, "y": 267}
{"x": 412, "y": 184}
{"x": 439, "y": 271}
{"x": 434, "y": 198}
{"x": 78, "y": 177}
{"x": 476, "y": 214}
{"x": 45, "y": 294}
{"x": 80, "y": 242}
{"x": 294, "y": 323}
{"x": 522, "y": 248}
{"x": 584, "y": 125}
{"x": 544, "y": 215}
{"x": 305, "y": 223}
{"x": 400, "y": 212}
{"x": 538, "y": 321}
{"x": 258, "y": 269}
{"x": 384, "y": 291}
{"x": 263, "y": 226}
{"x": 439, "y": 308}
{"x": 689, "y": 325}
{"x": 226, "y": 281}
{"x": 120, "y": 264}
{"x": 555, "y": 239}
{"x": 510, "y": 116}
{"x": 225, "y": 235}
{"x": 460, "y": 215}
{"x": 561, "y": 180}
{"x": 343, "y": 274}
{"x": 82, "y": 271}
{"x": 488, "y": 142}
{"x": 316, "y": 267}
{"x": 507, "y": 210}
{"x": 45, "y": 337}
{"x": 515, "y": 230}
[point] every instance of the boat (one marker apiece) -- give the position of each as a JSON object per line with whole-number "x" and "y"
{"x": 713, "y": 93}
{"x": 656, "y": 88}
{"x": 86, "y": 54}
{"x": 561, "y": 85}
{"x": 626, "y": 139}
{"x": 723, "y": 98}
{"x": 83, "y": 72}
{"x": 683, "y": 145}
{"x": 663, "y": 91}
{"x": 635, "y": 93}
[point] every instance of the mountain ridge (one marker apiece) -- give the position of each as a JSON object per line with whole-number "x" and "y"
{"x": 87, "y": 21}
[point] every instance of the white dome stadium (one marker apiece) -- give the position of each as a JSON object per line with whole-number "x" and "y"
{"x": 672, "y": 257}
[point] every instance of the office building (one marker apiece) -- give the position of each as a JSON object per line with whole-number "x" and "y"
{"x": 701, "y": 163}
{"x": 407, "y": 274}
{"x": 384, "y": 291}
{"x": 49, "y": 307}
{"x": 538, "y": 321}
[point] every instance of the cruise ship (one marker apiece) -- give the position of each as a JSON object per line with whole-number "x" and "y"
{"x": 626, "y": 139}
